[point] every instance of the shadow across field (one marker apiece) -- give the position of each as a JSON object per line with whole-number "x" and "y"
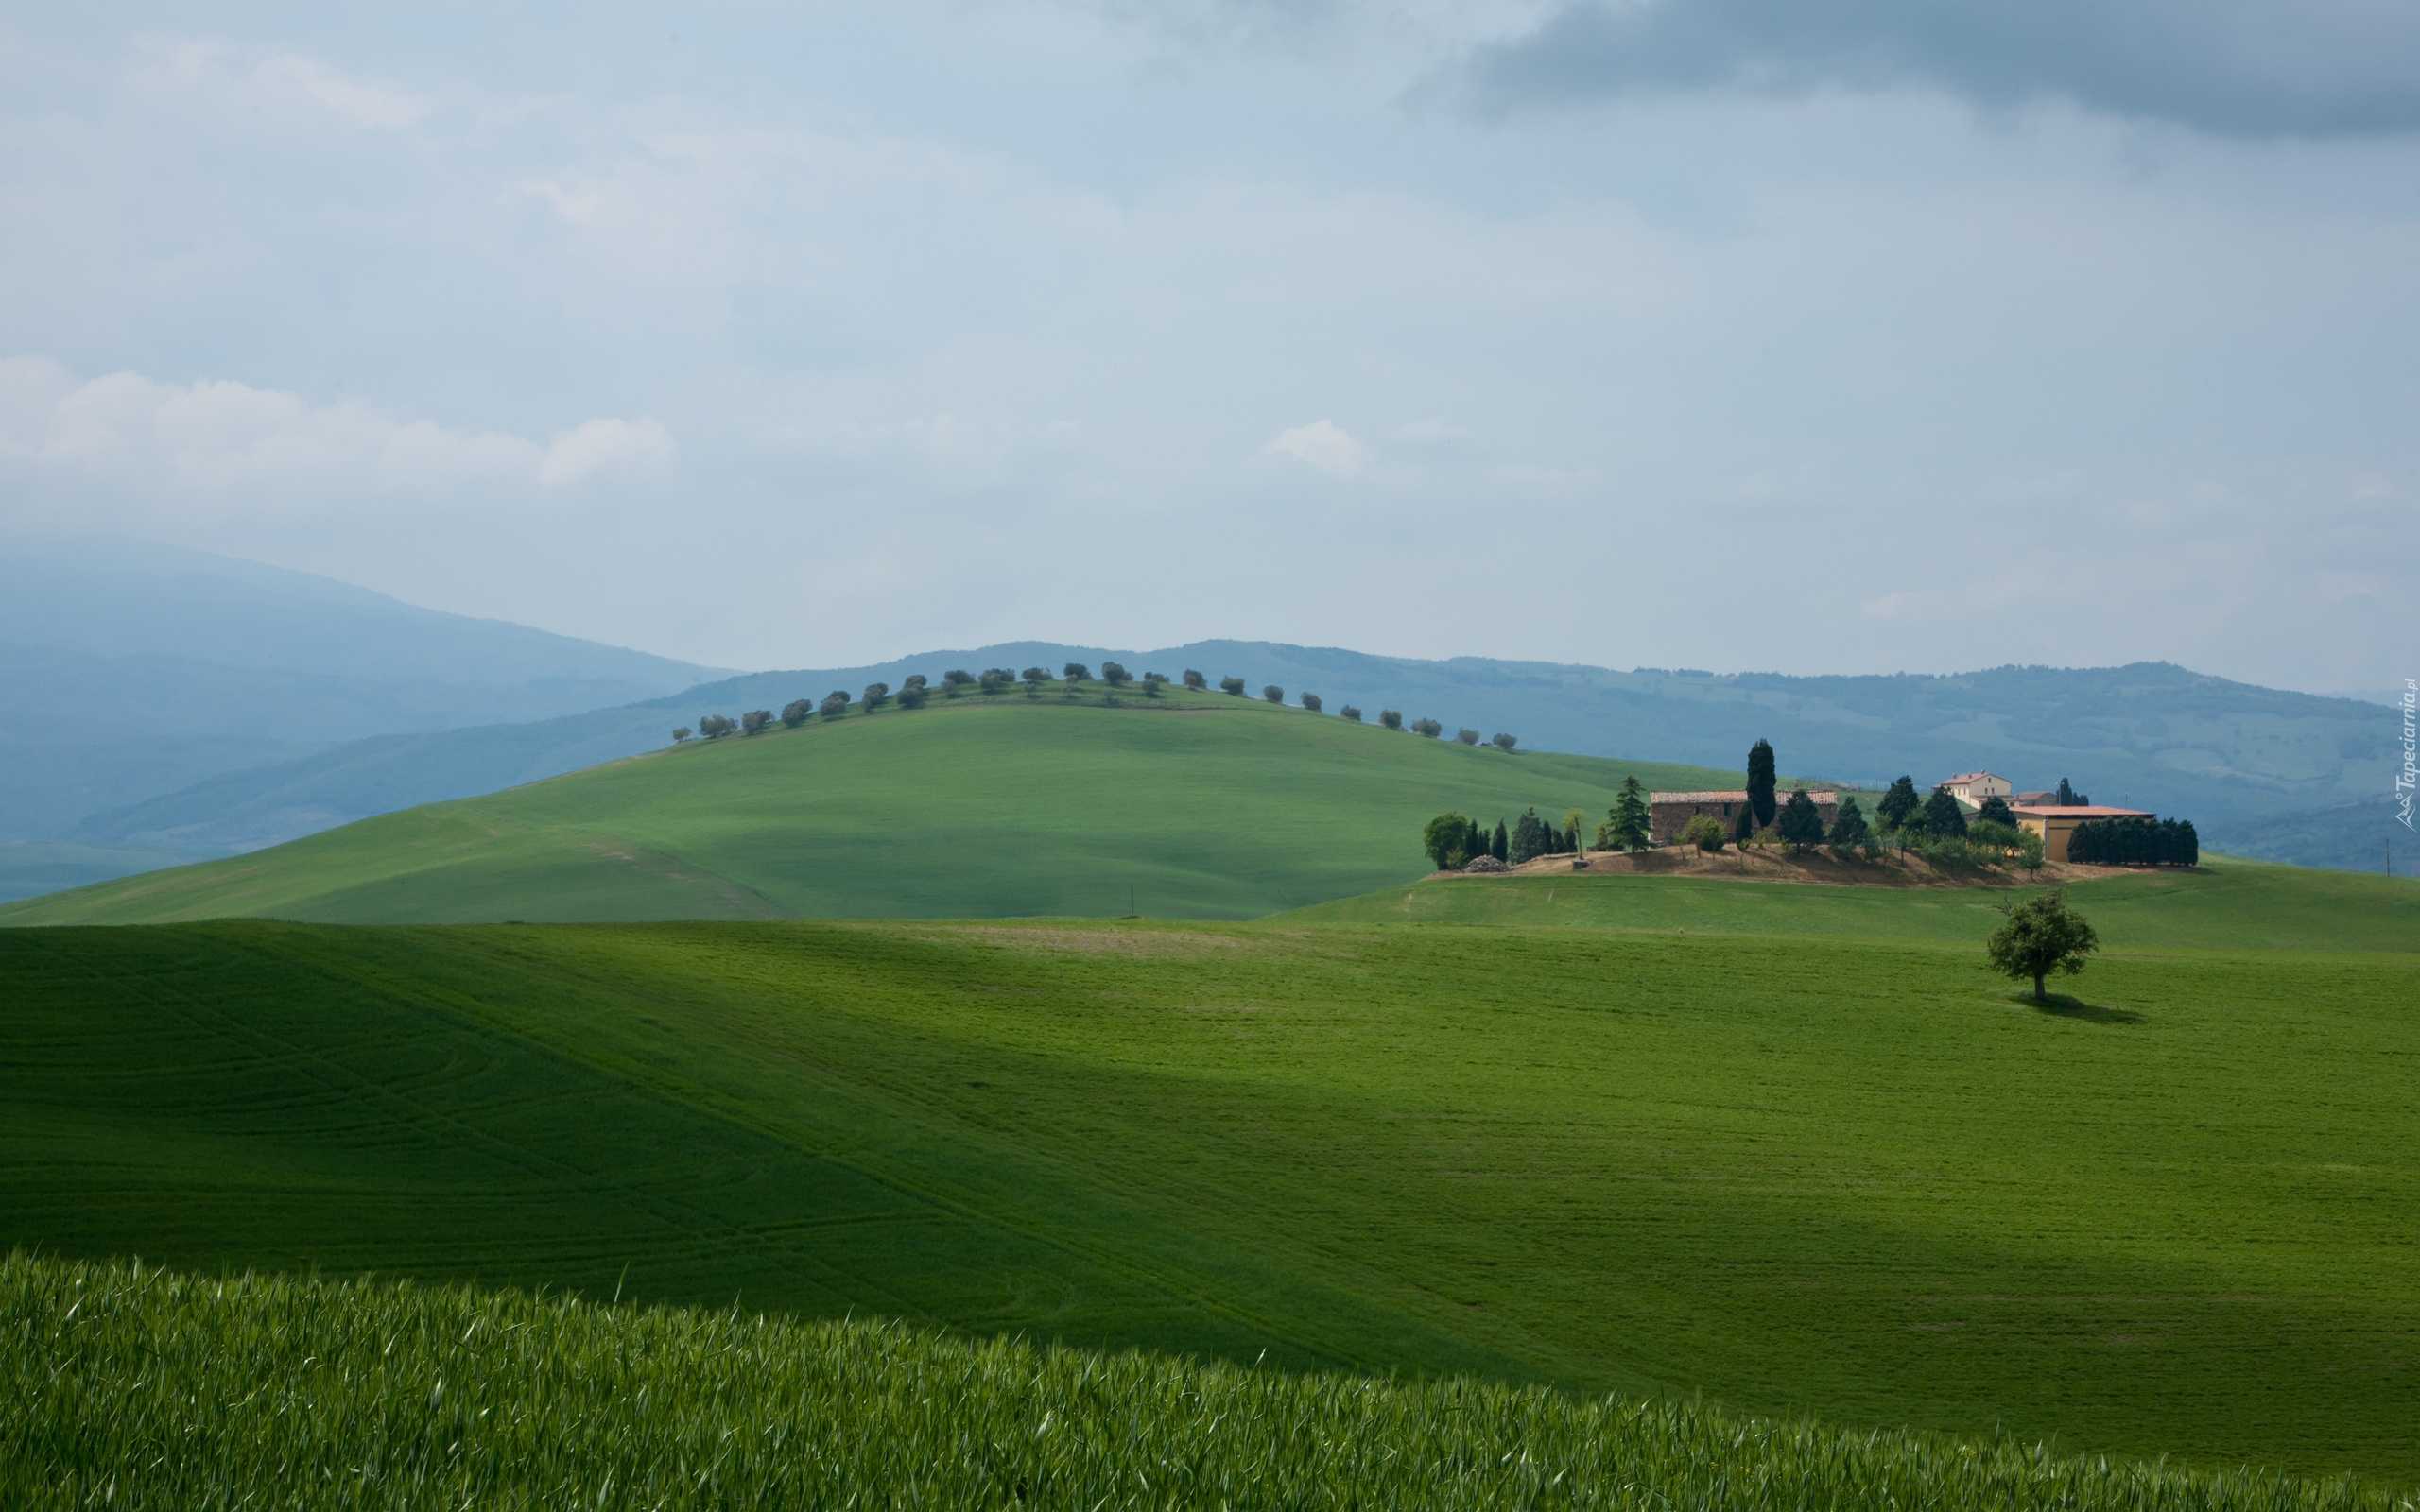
{"x": 2066, "y": 1006}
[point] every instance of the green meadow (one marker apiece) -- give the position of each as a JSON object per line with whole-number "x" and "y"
{"x": 1785, "y": 1148}
{"x": 137, "y": 1389}
{"x": 1190, "y": 805}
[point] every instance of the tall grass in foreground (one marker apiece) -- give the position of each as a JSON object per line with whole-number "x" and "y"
{"x": 126, "y": 1387}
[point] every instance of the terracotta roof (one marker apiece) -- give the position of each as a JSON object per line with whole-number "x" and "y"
{"x": 1827, "y": 796}
{"x": 2081, "y": 810}
{"x": 1968, "y": 776}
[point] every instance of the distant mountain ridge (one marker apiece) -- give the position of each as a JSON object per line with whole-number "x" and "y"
{"x": 2157, "y": 735}
{"x": 131, "y": 669}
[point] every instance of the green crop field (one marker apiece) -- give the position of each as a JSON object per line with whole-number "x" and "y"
{"x": 130, "y": 1388}
{"x": 1743, "y": 1145}
{"x": 1192, "y": 805}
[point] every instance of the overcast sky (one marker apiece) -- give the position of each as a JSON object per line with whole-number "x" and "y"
{"x": 1798, "y": 334}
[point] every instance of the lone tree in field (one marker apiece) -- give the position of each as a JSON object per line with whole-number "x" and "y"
{"x": 2042, "y": 936}
{"x": 1898, "y": 803}
{"x": 1311, "y": 701}
{"x": 1848, "y": 826}
{"x": 1445, "y": 838}
{"x": 681, "y": 734}
{"x": 1761, "y": 782}
{"x": 1799, "y": 827}
{"x": 1273, "y": 693}
{"x": 1625, "y": 826}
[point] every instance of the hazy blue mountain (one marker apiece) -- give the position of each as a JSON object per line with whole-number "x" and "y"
{"x": 130, "y": 669}
{"x": 2157, "y": 735}
{"x": 2356, "y": 836}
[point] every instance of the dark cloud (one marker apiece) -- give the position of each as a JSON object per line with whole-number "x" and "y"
{"x": 2236, "y": 67}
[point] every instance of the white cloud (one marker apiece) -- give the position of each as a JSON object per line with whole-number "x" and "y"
{"x": 365, "y": 102}
{"x": 217, "y": 435}
{"x": 1324, "y": 444}
{"x": 605, "y": 443}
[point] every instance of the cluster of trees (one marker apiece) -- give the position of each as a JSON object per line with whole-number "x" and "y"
{"x": 2136, "y": 843}
{"x": 1453, "y": 842}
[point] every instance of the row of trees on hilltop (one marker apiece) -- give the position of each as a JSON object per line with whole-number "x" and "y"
{"x": 1072, "y": 677}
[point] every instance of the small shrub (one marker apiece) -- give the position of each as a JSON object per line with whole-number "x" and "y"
{"x": 680, "y": 734}
{"x": 1704, "y": 832}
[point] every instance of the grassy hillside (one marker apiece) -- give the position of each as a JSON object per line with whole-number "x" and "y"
{"x": 1192, "y": 805}
{"x": 139, "y": 1389}
{"x": 2227, "y": 902}
{"x": 1792, "y": 1169}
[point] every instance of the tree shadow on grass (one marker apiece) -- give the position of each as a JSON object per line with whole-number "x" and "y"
{"x": 2062, "y": 1005}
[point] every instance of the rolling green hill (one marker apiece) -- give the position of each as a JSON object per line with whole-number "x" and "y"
{"x": 1802, "y": 1163}
{"x": 2227, "y": 902}
{"x": 1193, "y": 805}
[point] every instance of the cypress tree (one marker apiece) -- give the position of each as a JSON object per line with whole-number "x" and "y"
{"x": 1761, "y": 782}
{"x": 1848, "y": 826}
{"x": 1745, "y": 825}
{"x": 2066, "y": 794}
{"x": 1943, "y": 817}
{"x": 1498, "y": 846}
{"x": 1896, "y": 804}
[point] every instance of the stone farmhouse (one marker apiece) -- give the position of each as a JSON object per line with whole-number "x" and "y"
{"x": 1669, "y": 813}
{"x": 1971, "y": 788}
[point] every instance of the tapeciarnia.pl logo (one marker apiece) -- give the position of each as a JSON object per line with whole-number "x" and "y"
{"x": 2405, "y": 779}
